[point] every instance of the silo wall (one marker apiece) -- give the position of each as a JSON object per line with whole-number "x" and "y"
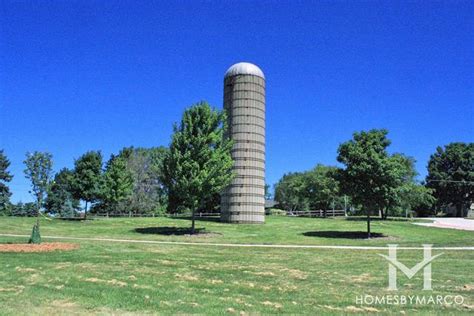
{"x": 243, "y": 201}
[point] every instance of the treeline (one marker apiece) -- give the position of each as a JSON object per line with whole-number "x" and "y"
{"x": 190, "y": 174}
{"x": 128, "y": 182}
{"x": 186, "y": 177}
{"x": 372, "y": 180}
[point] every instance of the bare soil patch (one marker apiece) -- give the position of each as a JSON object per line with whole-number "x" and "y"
{"x": 43, "y": 247}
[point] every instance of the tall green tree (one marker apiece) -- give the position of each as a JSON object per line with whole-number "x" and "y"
{"x": 5, "y": 177}
{"x": 291, "y": 192}
{"x": 88, "y": 178}
{"x": 39, "y": 167}
{"x": 371, "y": 176}
{"x": 145, "y": 165}
{"x": 415, "y": 197}
{"x": 322, "y": 187}
{"x": 451, "y": 175}
{"x": 118, "y": 182}
{"x": 60, "y": 198}
{"x": 198, "y": 164}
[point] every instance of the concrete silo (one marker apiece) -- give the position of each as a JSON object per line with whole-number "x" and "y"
{"x": 244, "y": 102}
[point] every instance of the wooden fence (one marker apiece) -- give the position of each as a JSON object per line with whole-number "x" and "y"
{"x": 318, "y": 213}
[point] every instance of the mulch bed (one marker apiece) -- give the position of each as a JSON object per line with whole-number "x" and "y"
{"x": 43, "y": 247}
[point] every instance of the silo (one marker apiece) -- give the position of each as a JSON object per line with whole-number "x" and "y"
{"x": 244, "y": 102}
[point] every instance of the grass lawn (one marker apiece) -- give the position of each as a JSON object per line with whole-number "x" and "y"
{"x": 115, "y": 278}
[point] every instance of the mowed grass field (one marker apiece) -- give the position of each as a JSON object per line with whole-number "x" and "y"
{"x": 136, "y": 278}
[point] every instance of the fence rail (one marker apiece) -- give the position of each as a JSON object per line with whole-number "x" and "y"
{"x": 314, "y": 213}
{"x": 318, "y": 213}
{"x": 108, "y": 215}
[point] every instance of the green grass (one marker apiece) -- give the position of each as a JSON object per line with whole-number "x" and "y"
{"x": 113, "y": 278}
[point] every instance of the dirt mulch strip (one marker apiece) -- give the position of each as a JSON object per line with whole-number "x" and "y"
{"x": 43, "y": 247}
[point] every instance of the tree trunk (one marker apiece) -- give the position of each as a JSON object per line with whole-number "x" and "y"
{"x": 459, "y": 212}
{"x": 85, "y": 211}
{"x": 368, "y": 224}
{"x": 38, "y": 213}
{"x": 193, "y": 218}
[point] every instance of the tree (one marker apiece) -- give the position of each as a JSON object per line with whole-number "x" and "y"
{"x": 198, "y": 164}
{"x": 416, "y": 197}
{"x": 118, "y": 182}
{"x": 291, "y": 192}
{"x": 27, "y": 209}
{"x": 371, "y": 176}
{"x": 451, "y": 175}
{"x": 5, "y": 177}
{"x": 38, "y": 169}
{"x": 322, "y": 187}
{"x": 88, "y": 178}
{"x": 145, "y": 166}
{"x": 268, "y": 194}
{"x": 60, "y": 196}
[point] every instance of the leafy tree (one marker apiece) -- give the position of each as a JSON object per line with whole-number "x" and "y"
{"x": 322, "y": 187}
{"x": 291, "y": 192}
{"x": 416, "y": 197}
{"x": 118, "y": 182}
{"x": 451, "y": 175}
{"x": 5, "y": 177}
{"x": 87, "y": 181}
{"x": 60, "y": 196}
{"x": 145, "y": 166}
{"x": 268, "y": 194}
{"x": 198, "y": 164}
{"x": 372, "y": 176}
{"x": 38, "y": 169}
{"x": 26, "y": 209}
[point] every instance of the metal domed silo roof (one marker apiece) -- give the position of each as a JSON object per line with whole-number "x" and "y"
{"x": 244, "y": 68}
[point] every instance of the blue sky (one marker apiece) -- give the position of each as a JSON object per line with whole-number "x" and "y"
{"x": 88, "y": 75}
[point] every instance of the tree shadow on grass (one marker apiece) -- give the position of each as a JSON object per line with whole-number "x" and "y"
{"x": 375, "y": 219}
{"x": 200, "y": 219}
{"x": 343, "y": 234}
{"x": 169, "y": 231}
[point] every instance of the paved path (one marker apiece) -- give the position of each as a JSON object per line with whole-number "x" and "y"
{"x": 450, "y": 222}
{"x": 236, "y": 245}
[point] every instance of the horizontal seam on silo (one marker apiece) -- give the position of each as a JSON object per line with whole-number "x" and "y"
{"x": 245, "y": 90}
{"x": 253, "y": 133}
{"x": 249, "y": 115}
{"x": 249, "y": 107}
{"x": 244, "y": 194}
{"x": 248, "y": 150}
{"x": 240, "y": 176}
{"x": 248, "y": 168}
{"x": 244, "y": 203}
{"x": 251, "y": 124}
{"x": 237, "y": 99}
{"x": 257, "y": 186}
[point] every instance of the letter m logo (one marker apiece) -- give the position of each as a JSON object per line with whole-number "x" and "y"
{"x": 394, "y": 264}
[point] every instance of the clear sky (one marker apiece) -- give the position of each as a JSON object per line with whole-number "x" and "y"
{"x": 88, "y": 75}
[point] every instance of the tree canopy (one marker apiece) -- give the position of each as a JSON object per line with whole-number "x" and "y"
{"x": 148, "y": 192}
{"x": 118, "y": 182}
{"x": 88, "y": 177}
{"x": 451, "y": 175}
{"x": 198, "y": 164}
{"x": 316, "y": 189}
{"x": 5, "y": 177}
{"x": 60, "y": 199}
